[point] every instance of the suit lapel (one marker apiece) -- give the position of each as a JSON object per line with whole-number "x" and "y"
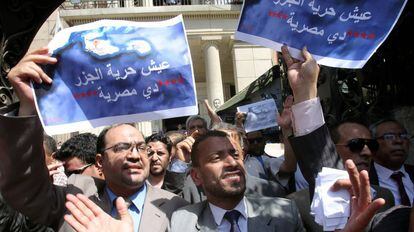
{"x": 206, "y": 221}
{"x": 256, "y": 221}
{"x": 151, "y": 218}
{"x": 101, "y": 198}
{"x": 373, "y": 176}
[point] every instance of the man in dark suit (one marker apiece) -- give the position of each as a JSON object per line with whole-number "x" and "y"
{"x": 388, "y": 169}
{"x": 353, "y": 141}
{"x": 121, "y": 156}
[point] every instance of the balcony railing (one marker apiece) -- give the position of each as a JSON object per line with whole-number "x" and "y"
{"x": 90, "y": 4}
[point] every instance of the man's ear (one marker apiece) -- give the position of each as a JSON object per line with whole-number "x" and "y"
{"x": 99, "y": 161}
{"x": 196, "y": 175}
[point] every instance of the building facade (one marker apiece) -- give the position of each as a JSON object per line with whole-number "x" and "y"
{"x": 222, "y": 65}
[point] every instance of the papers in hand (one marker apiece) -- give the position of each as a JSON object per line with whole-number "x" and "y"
{"x": 260, "y": 115}
{"x": 330, "y": 209}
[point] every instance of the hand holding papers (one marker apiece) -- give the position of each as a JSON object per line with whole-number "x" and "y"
{"x": 331, "y": 209}
{"x": 362, "y": 209}
{"x": 260, "y": 115}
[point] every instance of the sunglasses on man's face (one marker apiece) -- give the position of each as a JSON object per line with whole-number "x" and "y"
{"x": 356, "y": 145}
{"x": 77, "y": 171}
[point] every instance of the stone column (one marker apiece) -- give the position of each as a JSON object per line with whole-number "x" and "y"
{"x": 213, "y": 73}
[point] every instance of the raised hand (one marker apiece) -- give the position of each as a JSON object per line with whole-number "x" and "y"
{"x": 285, "y": 118}
{"x": 302, "y": 75}
{"x": 184, "y": 147}
{"x": 28, "y": 70}
{"x": 86, "y": 216}
{"x": 362, "y": 208}
{"x": 211, "y": 113}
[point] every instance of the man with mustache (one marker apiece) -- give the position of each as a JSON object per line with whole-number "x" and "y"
{"x": 352, "y": 141}
{"x": 388, "y": 169}
{"x": 121, "y": 156}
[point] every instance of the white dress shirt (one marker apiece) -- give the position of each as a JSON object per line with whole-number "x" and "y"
{"x": 307, "y": 116}
{"x": 384, "y": 180}
{"x": 222, "y": 224}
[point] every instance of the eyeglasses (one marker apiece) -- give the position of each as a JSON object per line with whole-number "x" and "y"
{"x": 356, "y": 145}
{"x": 394, "y": 136}
{"x": 124, "y": 147}
{"x": 77, "y": 171}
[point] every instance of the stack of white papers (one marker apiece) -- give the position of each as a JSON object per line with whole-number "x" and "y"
{"x": 331, "y": 209}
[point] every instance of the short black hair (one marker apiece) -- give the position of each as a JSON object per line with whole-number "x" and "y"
{"x": 50, "y": 144}
{"x": 336, "y": 136}
{"x": 100, "y": 143}
{"x": 195, "y": 150}
{"x": 82, "y": 146}
{"x": 160, "y": 137}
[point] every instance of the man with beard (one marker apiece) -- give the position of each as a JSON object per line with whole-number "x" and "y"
{"x": 159, "y": 155}
{"x": 388, "y": 169}
{"x": 217, "y": 166}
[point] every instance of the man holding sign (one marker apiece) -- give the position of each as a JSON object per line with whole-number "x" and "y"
{"x": 122, "y": 157}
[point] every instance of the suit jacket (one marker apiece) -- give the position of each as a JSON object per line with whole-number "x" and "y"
{"x": 26, "y": 185}
{"x": 264, "y": 214}
{"x": 254, "y": 187}
{"x": 303, "y": 202}
{"x": 314, "y": 151}
{"x": 373, "y": 176}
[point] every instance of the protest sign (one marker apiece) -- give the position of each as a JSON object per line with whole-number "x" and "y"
{"x": 260, "y": 115}
{"x": 337, "y": 33}
{"x": 114, "y": 71}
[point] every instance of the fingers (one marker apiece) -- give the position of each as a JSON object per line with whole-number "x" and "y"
{"x": 43, "y": 50}
{"x": 54, "y": 166}
{"x": 365, "y": 189}
{"x": 95, "y": 209}
{"x": 306, "y": 54}
{"x": 70, "y": 219}
{"x": 286, "y": 56}
{"x": 193, "y": 136}
{"x": 342, "y": 184}
{"x": 288, "y": 102}
{"x": 78, "y": 210}
{"x": 353, "y": 176}
{"x": 207, "y": 105}
{"x": 123, "y": 210}
{"x": 366, "y": 216}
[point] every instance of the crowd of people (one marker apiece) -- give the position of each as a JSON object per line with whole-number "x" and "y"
{"x": 211, "y": 178}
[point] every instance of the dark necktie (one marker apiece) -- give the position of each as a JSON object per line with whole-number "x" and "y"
{"x": 397, "y": 177}
{"x": 128, "y": 203}
{"x": 233, "y": 218}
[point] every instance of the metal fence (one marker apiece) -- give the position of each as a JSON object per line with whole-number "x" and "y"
{"x": 90, "y": 4}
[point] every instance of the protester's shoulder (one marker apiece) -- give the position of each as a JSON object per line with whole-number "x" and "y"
{"x": 84, "y": 183}
{"x": 193, "y": 209}
{"x": 272, "y": 205}
{"x": 171, "y": 197}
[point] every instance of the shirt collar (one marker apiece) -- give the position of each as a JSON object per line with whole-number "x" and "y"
{"x": 218, "y": 213}
{"x": 137, "y": 198}
{"x": 388, "y": 172}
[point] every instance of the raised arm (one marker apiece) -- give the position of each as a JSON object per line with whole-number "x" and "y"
{"x": 24, "y": 180}
{"x": 312, "y": 144}
{"x": 285, "y": 122}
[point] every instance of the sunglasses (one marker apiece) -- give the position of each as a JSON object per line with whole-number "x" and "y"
{"x": 77, "y": 171}
{"x": 356, "y": 145}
